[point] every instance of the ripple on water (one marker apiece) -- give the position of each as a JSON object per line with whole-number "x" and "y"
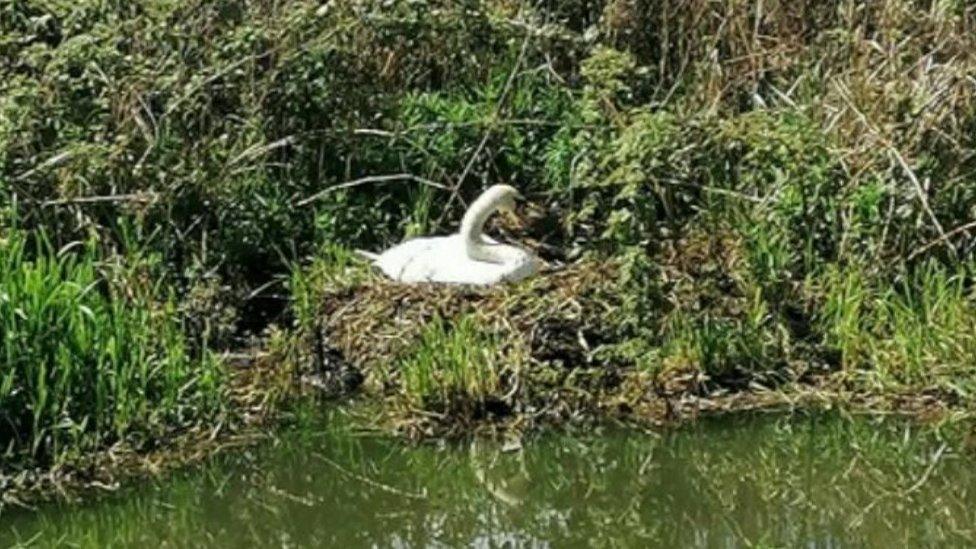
{"x": 813, "y": 481}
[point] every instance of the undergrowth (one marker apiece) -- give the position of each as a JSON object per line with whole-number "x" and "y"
{"x": 453, "y": 364}
{"x": 786, "y": 192}
{"x": 92, "y": 354}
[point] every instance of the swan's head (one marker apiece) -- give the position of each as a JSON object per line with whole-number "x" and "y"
{"x": 503, "y": 197}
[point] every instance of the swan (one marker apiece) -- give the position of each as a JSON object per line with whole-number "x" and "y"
{"x": 466, "y": 257}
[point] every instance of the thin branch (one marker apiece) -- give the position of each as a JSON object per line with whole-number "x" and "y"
{"x": 922, "y": 197}
{"x": 931, "y": 244}
{"x": 49, "y": 163}
{"x": 260, "y": 150}
{"x": 495, "y": 123}
{"x": 484, "y": 140}
{"x": 715, "y": 190}
{"x": 370, "y": 179}
{"x": 374, "y": 132}
{"x": 142, "y": 198}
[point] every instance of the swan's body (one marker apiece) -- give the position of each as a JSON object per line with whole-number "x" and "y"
{"x": 444, "y": 259}
{"x": 467, "y": 257}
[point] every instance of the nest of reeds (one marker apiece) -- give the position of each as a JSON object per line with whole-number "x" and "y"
{"x": 444, "y": 358}
{"x": 576, "y": 343}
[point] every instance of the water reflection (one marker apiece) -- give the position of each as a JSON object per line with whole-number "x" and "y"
{"x": 812, "y": 482}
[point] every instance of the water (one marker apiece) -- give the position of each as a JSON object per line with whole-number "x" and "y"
{"x": 758, "y": 481}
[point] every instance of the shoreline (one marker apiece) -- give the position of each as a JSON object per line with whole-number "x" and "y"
{"x": 117, "y": 468}
{"x": 423, "y": 363}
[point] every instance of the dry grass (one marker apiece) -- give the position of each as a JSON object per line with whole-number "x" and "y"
{"x": 545, "y": 336}
{"x": 891, "y": 83}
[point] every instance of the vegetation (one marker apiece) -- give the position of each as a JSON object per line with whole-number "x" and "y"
{"x": 454, "y": 363}
{"x": 773, "y": 194}
{"x": 92, "y": 355}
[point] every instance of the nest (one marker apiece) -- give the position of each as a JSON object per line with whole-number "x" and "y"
{"x": 379, "y": 320}
{"x": 570, "y": 345}
{"x": 544, "y": 338}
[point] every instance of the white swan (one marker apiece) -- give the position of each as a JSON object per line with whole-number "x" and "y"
{"x": 468, "y": 257}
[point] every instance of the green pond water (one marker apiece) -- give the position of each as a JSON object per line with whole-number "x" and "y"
{"x": 801, "y": 481}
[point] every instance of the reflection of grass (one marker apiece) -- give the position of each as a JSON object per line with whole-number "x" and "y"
{"x": 747, "y": 481}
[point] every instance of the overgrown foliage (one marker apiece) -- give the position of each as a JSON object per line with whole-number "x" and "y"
{"x": 91, "y": 354}
{"x": 786, "y": 190}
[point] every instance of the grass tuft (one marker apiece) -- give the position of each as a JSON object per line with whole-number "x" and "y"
{"x": 87, "y": 359}
{"x": 454, "y": 363}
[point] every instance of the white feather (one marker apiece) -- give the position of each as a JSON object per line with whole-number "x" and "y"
{"x": 467, "y": 257}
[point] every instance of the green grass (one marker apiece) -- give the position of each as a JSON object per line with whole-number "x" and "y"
{"x": 453, "y": 363}
{"x": 333, "y": 265}
{"x": 87, "y": 358}
{"x": 785, "y": 189}
{"x": 919, "y": 332}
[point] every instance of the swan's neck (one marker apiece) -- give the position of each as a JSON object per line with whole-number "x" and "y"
{"x": 472, "y": 228}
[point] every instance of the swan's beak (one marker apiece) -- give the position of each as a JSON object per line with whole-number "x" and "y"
{"x": 513, "y": 215}
{"x": 516, "y": 214}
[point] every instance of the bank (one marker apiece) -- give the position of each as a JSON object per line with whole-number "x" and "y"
{"x": 741, "y": 205}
